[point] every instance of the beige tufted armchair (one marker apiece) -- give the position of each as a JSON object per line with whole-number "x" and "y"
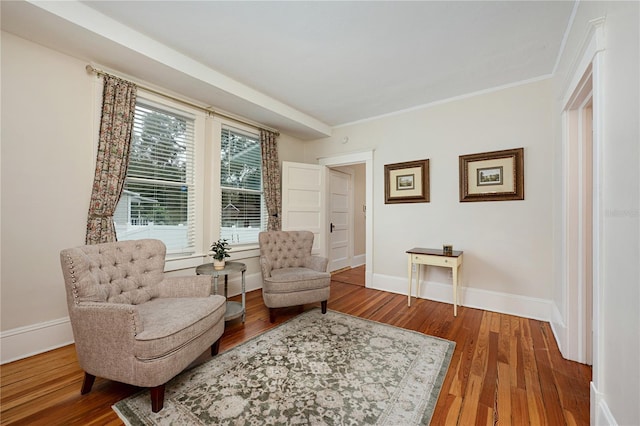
{"x": 131, "y": 323}
{"x": 291, "y": 276}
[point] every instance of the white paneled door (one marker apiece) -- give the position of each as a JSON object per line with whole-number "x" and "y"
{"x": 339, "y": 220}
{"x": 304, "y": 202}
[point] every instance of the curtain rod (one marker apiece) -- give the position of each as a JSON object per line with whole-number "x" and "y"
{"x": 90, "y": 68}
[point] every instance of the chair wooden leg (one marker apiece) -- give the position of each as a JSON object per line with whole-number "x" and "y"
{"x": 215, "y": 347}
{"x": 323, "y": 304}
{"x": 87, "y": 383}
{"x": 157, "y": 398}
{"x": 272, "y": 315}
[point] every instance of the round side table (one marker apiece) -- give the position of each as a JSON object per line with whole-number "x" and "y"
{"x": 234, "y": 309}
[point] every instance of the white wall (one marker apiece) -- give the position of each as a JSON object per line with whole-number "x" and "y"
{"x": 48, "y": 161}
{"x": 290, "y": 149}
{"x": 616, "y": 370}
{"x": 50, "y": 116}
{"x": 507, "y": 256}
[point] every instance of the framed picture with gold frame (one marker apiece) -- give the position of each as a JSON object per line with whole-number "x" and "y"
{"x": 492, "y": 176}
{"x": 406, "y": 182}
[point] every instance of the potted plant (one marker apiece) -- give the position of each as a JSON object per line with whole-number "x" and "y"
{"x": 220, "y": 251}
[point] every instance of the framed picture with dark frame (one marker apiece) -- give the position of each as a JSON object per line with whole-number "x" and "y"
{"x": 406, "y": 182}
{"x": 492, "y": 176}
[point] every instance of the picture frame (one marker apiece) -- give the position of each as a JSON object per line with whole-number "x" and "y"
{"x": 492, "y": 176}
{"x": 406, "y": 182}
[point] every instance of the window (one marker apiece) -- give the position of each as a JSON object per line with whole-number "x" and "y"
{"x": 243, "y": 210}
{"x": 158, "y": 197}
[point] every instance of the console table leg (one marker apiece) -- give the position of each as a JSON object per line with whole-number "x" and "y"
{"x": 244, "y": 307}
{"x": 418, "y": 270}
{"x": 410, "y": 281}
{"x": 454, "y": 270}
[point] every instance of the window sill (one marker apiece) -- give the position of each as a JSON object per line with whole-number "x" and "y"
{"x": 244, "y": 252}
{"x": 237, "y": 253}
{"x": 179, "y": 263}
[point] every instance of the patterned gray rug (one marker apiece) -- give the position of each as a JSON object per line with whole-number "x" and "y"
{"x": 315, "y": 369}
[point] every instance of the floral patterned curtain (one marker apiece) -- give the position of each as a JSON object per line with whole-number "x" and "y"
{"x": 116, "y": 124}
{"x": 271, "y": 179}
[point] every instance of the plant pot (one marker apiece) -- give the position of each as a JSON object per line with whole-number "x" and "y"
{"x": 218, "y": 265}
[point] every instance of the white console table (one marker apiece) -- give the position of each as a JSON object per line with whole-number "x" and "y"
{"x": 434, "y": 257}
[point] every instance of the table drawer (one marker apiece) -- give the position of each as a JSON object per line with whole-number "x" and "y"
{"x": 426, "y": 259}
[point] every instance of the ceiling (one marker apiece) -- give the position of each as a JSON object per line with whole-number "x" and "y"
{"x": 306, "y": 67}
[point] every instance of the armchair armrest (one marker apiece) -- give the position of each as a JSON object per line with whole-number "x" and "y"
{"x": 92, "y": 317}
{"x": 191, "y": 286}
{"x": 317, "y": 263}
{"x": 103, "y": 333}
{"x": 265, "y": 267}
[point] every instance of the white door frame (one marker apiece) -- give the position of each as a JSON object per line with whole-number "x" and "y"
{"x": 365, "y": 157}
{"x": 577, "y": 248}
{"x": 589, "y": 64}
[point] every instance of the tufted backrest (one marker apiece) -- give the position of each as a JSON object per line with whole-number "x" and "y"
{"x": 286, "y": 249}
{"x": 120, "y": 272}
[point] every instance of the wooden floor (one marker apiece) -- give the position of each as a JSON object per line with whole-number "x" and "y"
{"x": 353, "y": 276}
{"x": 505, "y": 370}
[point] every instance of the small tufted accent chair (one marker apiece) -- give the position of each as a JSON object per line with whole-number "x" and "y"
{"x": 131, "y": 323}
{"x": 291, "y": 276}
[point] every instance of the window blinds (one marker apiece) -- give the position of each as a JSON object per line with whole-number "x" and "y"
{"x": 243, "y": 212}
{"x": 158, "y": 197}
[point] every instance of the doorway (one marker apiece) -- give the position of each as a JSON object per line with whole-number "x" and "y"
{"x": 347, "y": 212}
{"x": 365, "y": 159}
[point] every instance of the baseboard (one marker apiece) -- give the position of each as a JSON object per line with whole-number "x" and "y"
{"x": 24, "y": 342}
{"x": 559, "y": 329}
{"x": 600, "y": 413}
{"x": 505, "y": 303}
{"x": 359, "y": 260}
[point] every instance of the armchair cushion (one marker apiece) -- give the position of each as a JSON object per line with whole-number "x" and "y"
{"x": 296, "y": 279}
{"x": 171, "y": 323}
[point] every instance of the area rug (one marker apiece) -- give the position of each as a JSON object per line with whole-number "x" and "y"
{"x": 315, "y": 369}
